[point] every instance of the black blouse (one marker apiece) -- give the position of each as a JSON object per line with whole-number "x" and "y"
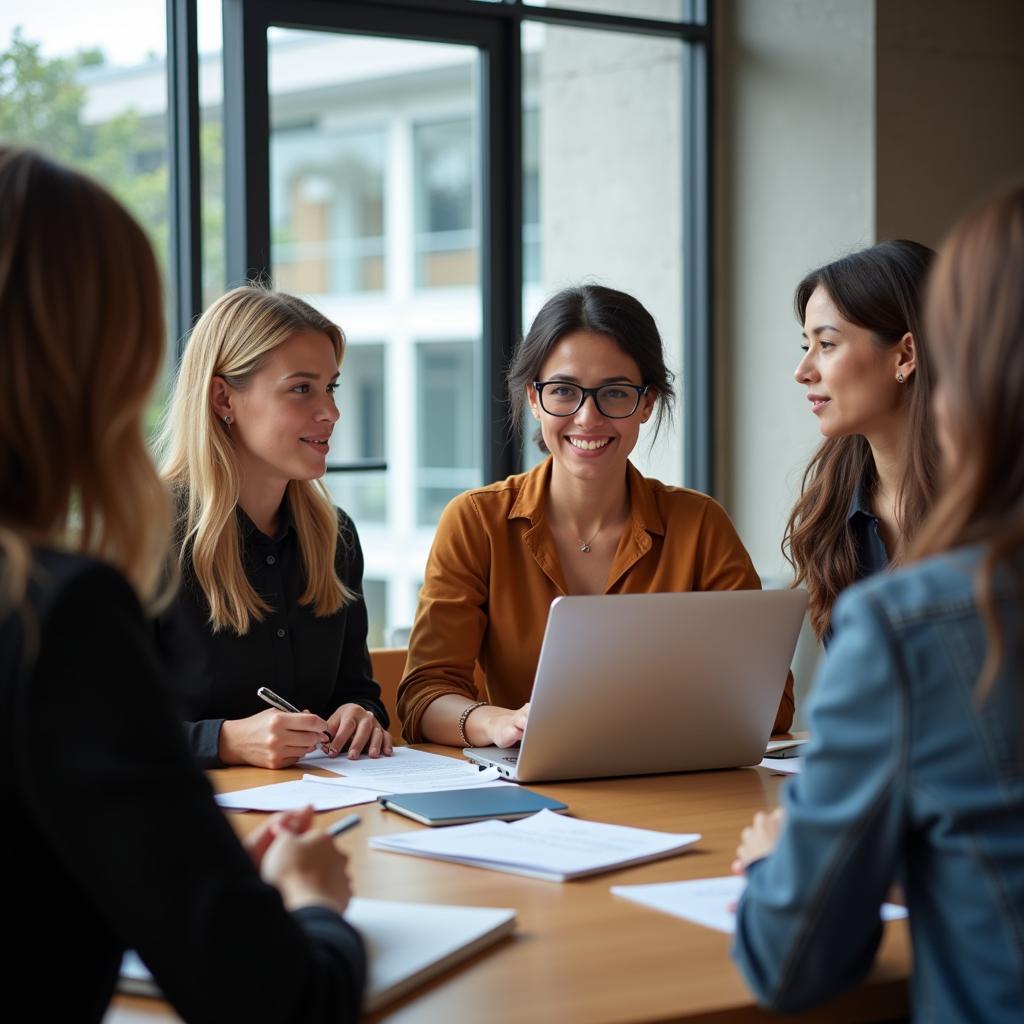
{"x": 317, "y": 663}
{"x": 871, "y": 554}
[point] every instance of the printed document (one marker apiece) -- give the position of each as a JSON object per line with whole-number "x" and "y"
{"x": 428, "y": 781}
{"x": 545, "y": 845}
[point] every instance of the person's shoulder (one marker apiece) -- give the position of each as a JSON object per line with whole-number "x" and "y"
{"x": 493, "y": 500}
{"x": 60, "y": 577}
{"x": 942, "y": 586}
{"x": 684, "y": 502}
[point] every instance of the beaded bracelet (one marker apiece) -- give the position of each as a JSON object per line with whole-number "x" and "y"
{"x": 466, "y": 712}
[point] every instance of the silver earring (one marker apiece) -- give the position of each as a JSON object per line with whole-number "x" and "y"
{"x": 227, "y": 421}
{"x": 899, "y": 378}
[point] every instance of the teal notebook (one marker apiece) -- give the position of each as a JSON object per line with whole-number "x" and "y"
{"x": 462, "y": 806}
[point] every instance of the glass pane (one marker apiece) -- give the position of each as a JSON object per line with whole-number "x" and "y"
{"x": 211, "y": 147}
{"x": 603, "y": 136}
{"x": 448, "y": 435}
{"x": 96, "y": 100}
{"x": 664, "y": 10}
{"x": 446, "y": 233}
{"x": 375, "y": 214}
{"x": 375, "y": 593}
{"x": 359, "y": 435}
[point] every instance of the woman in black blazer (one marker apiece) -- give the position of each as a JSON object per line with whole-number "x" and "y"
{"x": 112, "y": 836}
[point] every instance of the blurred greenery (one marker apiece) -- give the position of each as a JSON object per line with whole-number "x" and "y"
{"x": 42, "y": 104}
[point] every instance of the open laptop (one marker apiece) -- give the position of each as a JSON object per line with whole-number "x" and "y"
{"x": 634, "y": 684}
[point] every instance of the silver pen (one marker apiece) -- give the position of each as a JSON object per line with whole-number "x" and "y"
{"x": 343, "y": 824}
{"x": 268, "y": 696}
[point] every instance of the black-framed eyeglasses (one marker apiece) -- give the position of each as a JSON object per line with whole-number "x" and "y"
{"x": 616, "y": 401}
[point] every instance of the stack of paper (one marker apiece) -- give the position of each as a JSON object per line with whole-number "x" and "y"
{"x": 407, "y": 771}
{"x": 362, "y": 781}
{"x": 707, "y": 901}
{"x": 545, "y": 845}
{"x": 406, "y": 944}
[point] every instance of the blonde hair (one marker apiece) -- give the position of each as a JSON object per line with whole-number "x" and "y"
{"x": 81, "y": 345}
{"x": 233, "y": 339}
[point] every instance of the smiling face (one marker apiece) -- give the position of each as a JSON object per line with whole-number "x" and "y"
{"x": 281, "y": 421}
{"x": 851, "y": 378}
{"x": 588, "y": 444}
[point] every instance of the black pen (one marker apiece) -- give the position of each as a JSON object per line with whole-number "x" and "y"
{"x": 343, "y": 824}
{"x": 268, "y": 696}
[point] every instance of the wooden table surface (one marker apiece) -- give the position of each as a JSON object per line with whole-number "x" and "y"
{"x": 579, "y": 953}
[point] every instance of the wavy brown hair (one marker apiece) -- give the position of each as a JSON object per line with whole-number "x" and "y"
{"x": 81, "y": 345}
{"x": 975, "y": 319}
{"x": 879, "y": 289}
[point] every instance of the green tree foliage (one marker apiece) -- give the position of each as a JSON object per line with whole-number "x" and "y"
{"x": 42, "y": 103}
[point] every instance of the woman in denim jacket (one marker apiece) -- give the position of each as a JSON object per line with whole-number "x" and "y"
{"x": 915, "y": 769}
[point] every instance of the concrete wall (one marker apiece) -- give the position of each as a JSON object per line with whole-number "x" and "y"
{"x": 795, "y": 187}
{"x": 949, "y": 110}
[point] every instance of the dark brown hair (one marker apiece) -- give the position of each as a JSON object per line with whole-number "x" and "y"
{"x": 591, "y": 307}
{"x": 879, "y": 289}
{"x": 975, "y": 320}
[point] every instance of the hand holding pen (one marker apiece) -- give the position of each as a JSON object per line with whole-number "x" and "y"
{"x": 275, "y": 738}
{"x": 268, "y": 696}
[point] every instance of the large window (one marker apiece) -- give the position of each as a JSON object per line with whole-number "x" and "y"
{"x": 95, "y": 101}
{"x": 424, "y": 174}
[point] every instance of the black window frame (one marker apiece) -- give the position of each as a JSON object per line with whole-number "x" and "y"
{"x": 495, "y": 29}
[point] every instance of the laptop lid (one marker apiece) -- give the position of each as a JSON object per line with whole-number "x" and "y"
{"x": 635, "y": 684}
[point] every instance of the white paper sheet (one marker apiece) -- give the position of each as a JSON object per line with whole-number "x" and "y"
{"x": 428, "y": 781}
{"x": 545, "y": 845}
{"x": 287, "y": 796}
{"x": 402, "y": 762}
{"x": 783, "y": 765}
{"x": 707, "y": 901}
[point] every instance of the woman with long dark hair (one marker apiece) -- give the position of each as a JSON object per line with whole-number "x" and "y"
{"x": 915, "y": 767}
{"x": 590, "y": 370}
{"x": 870, "y": 483}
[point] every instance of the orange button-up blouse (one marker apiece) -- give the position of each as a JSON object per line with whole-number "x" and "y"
{"x": 493, "y": 572}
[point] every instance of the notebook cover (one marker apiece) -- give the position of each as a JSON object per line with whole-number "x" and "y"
{"x": 406, "y": 945}
{"x": 462, "y": 806}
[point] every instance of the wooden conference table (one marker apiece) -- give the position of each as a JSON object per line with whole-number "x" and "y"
{"x": 580, "y": 954}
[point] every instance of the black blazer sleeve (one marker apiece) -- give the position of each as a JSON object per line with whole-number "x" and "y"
{"x": 355, "y": 683}
{"x": 112, "y": 783}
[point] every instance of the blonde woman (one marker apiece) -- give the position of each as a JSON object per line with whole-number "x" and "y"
{"x": 111, "y": 831}
{"x": 271, "y": 570}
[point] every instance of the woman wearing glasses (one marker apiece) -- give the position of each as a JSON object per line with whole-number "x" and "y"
{"x": 591, "y": 370}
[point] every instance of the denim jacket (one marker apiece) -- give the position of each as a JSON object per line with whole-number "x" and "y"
{"x": 907, "y": 777}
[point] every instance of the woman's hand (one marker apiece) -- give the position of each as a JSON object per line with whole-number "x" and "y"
{"x": 258, "y": 841}
{"x": 360, "y": 729}
{"x": 501, "y": 727}
{"x": 270, "y": 739}
{"x": 307, "y": 869}
{"x": 758, "y": 839}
